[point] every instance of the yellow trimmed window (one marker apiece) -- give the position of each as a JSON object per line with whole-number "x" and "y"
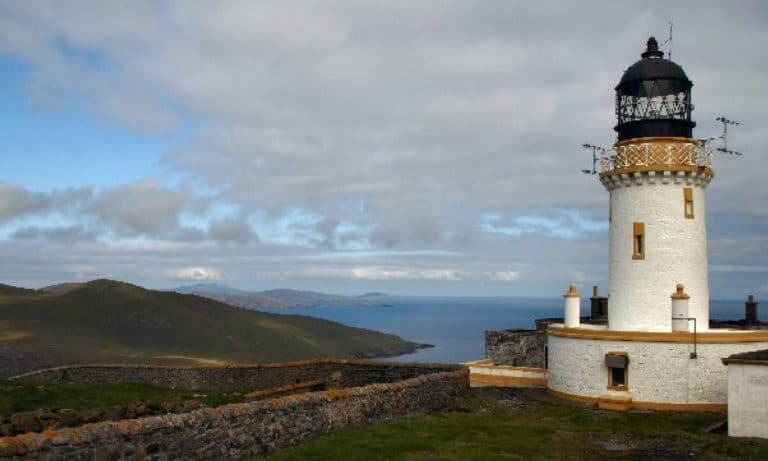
{"x": 638, "y": 240}
{"x": 688, "y": 197}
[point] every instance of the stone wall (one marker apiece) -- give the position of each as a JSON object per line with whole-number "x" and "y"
{"x": 245, "y": 430}
{"x": 345, "y": 373}
{"x": 522, "y": 348}
{"x": 517, "y": 348}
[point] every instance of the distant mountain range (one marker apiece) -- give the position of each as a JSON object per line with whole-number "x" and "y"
{"x": 104, "y": 321}
{"x": 278, "y": 298}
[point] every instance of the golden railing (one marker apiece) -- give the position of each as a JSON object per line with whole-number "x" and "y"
{"x": 636, "y": 155}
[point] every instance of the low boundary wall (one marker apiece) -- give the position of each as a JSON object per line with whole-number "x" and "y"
{"x": 244, "y": 430}
{"x": 335, "y": 372}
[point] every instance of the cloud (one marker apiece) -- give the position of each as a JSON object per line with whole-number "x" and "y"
{"x": 561, "y": 224}
{"x": 232, "y": 230}
{"x": 17, "y": 201}
{"x": 194, "y": 273}
{"x": 56, "y": 233}
{"x": 410, "y": 136}
{"x": 405, "y": 273}
{"x": 507, "y": 276}
{"x": 143, "y": 207}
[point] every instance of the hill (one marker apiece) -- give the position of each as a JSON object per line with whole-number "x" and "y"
{"x": 8, "y": 290}
{"x": 109, "y": 321}
{"x": 278, "y": 297}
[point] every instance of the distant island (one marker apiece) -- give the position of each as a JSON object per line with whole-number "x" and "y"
{"x": 375, "y": 294}
{"x": 106, "y": 321}
{"x": 282, "y": 298}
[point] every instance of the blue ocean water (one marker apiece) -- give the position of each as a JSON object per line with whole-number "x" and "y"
{"x": 456, "y": 326}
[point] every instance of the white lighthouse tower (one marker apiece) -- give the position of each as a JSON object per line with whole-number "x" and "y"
{"x": 657, "y": 350}
{"x": 656, "y": 178}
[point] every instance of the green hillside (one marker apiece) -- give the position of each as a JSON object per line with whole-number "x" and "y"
{"x": 108, "y": 321}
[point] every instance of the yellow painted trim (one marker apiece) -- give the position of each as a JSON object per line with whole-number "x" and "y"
{"x": 707, "y": 337}
{"x": 481, "y": 362}
{"x": 688, "y": 200}
{"x": 638, "y": 405}
{"x": 572, "y": 397}
{"x": 656, "y": 139}
{"x": 638, "y": 240}
{"x": 573, "y": 292}
{"x": 672, "y": 168}
{"x": 680, "y": 292}
{"x": 501, "y": 380}
{"x": 509, "y": 367}
{"x": 615, "y": 404}
{"x": 696, "y": 407}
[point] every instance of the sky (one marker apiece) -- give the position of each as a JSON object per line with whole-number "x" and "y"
{"x": 410, "y": 147}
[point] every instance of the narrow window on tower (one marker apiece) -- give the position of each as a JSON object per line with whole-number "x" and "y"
{"x": 638, "y": 244}
{"x": 688, "y": 196}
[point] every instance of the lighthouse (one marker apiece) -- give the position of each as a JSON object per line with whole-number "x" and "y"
{"x": 656, "y": 178}
{"x": 657, "y": 350}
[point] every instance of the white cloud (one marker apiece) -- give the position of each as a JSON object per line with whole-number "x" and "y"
{"x": 194, "y": 273}
{"x": 403, "y": 273}
{"x": 507, "y": 276}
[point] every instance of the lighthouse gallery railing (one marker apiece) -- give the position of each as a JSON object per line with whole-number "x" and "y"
{"x": 656, "y": 154}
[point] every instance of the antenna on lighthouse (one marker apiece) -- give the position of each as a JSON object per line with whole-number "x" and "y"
{"x": 595, "y": 158}
{"x": 669, "y": 40}
{"x": 724, "y": 137}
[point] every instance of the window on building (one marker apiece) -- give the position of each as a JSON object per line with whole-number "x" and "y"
{"x": 638, "y": 245}
{"x": 618, "y": 364}
{"x": 688, "y": 197}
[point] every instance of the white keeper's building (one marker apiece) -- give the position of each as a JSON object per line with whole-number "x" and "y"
{"x": 657, "y": 350}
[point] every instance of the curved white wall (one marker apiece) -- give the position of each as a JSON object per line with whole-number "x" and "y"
{"x": 657, "y": 372}
{"x": 675, "y": 249}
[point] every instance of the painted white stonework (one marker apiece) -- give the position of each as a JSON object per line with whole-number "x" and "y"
{"x": 675, "y": 249}
{"x": 572, "y": 311}
{"x": 657, "y": 372}
{"x": 680, "y": 315}
{"x": 748, "y": 400}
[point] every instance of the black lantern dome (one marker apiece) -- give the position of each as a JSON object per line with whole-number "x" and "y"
{"x": 653, "y": 98}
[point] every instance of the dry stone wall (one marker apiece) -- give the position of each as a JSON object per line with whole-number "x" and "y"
{"x": 244, "y": 430}
{"x": 517, "y": 348}
{"x": 345, "y": 373}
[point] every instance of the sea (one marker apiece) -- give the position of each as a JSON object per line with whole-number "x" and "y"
{"x": 456, "y": 326}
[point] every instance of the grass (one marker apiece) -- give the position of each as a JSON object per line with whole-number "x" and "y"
{"x": 482, "y": 427}
{"x": 23, "y": 396}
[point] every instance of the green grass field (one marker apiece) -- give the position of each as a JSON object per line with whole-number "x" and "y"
{"x": 489, "y": 425}
{"x": 24, "y": 396}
